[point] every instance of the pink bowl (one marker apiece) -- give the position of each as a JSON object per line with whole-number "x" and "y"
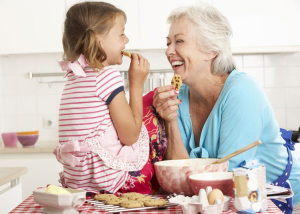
{"x": 10, "y": 139}
{"x": 172, "y": 175}
{"x": 27, "y": 140}
{"x": 217, "y": 180}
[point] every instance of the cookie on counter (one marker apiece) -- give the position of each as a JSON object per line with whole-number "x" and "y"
{"x": 132, "y": 204}
{"x": 155, "y": 203}
{"x": 115, "y": 201}
{"x": 132, "y": 194}
{"x": 104, "y": 197}
{"x": 145, "y": 198}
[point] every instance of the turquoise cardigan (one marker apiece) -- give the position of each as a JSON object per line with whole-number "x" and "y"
{"x": 241, "y": 115}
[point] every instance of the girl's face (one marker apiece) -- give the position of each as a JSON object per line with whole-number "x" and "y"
{"x": 114, "y": 42}
{"x": 183, "y": 52}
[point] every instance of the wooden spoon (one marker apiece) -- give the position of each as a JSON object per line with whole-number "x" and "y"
{"x": 227, "y": 157}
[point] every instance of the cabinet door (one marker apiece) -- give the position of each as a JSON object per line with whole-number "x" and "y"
{"x": 262, "y": 22}
{"x": 132, "y": 26}
{"x": 31, "y": 26}
{"x": 153, "y": 16}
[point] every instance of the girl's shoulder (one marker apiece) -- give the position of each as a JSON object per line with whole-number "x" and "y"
{"x": 107, "y": 71}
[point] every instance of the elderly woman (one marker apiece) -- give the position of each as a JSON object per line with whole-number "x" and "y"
{"x": 218, "y": 110}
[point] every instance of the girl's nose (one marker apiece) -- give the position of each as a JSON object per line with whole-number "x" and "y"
{"x": 126, "y": 39}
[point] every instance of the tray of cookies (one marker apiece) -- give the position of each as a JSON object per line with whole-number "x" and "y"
{"x": 129, "y": 202}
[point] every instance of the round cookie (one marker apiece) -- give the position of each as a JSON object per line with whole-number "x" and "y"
{"x": 145, "y": 198}
{"x": 155, "y": 203}
{"x": 132, "y": 194}
{"x": 104, "y": 197}
{"x": 132, "y": 204}
{"x": 115, "y": 201}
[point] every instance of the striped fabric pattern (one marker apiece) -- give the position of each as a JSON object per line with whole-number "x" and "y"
{"x": 83, "y": 111}
{"x": 84, "y": 115}
{"x": 93, "y": 175}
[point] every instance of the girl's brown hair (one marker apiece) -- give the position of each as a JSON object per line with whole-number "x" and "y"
{"x": 83, "y": 22}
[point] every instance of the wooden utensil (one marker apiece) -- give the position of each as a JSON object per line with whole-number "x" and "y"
{"x": 233, "y": 154}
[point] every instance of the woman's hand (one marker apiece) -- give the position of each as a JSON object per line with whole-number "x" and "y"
{"x": 138, "y": 71}
{"x": 166, "y": 103}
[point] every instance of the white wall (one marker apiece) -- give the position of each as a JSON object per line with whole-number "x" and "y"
{"x": 1, "y": 98}
{"x": 25, "y": 102}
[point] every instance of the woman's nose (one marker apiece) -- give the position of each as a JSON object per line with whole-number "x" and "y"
{"x": 170, "y": 50}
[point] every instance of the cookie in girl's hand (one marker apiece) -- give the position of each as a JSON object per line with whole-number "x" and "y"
{"x": 125, "y": 53}
{"x": 176, "y": 81}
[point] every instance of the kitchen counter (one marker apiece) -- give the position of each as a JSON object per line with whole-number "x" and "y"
{"x": 39, "y": 147}
{"x": 10, "y": 187}
{"x": 7, "y": 174}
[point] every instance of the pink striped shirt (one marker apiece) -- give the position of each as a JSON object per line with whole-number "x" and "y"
{"x": 83, "y": 111}
{"x": 93, "y": 157}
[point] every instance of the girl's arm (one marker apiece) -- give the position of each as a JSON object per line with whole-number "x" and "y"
{"x": 166, "y": 104}
{"x": 128, "y": 118}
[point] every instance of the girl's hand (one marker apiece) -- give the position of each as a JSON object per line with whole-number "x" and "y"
{"x": 166, "y": 103}
{"x": 138, "y": 71}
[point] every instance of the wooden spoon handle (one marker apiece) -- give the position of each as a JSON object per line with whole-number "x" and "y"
{"x": 227, "y": 157}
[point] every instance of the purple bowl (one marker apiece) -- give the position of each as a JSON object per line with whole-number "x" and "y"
{"x": 10, "y": 139}
{"x": 27, "y": 140}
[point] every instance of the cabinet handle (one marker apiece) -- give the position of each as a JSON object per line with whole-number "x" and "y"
{"x": 162, "y": 79}
{"x": 151, "y": 79}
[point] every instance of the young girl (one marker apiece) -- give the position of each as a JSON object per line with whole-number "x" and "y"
{"x": 101, "y": 137}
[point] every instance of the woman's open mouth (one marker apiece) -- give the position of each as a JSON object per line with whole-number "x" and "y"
{"x": 177, "y": 64}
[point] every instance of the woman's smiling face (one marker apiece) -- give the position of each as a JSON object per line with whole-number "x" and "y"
{"x": 183, "y": 52}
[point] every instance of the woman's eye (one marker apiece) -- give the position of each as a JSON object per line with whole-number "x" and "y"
{"x": 168, "y": 43}
{"x": 179, "y": 41}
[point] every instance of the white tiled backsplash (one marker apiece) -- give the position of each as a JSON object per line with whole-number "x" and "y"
{"x": 24, "y": 102}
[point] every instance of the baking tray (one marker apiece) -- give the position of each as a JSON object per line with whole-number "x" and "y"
{"x": 117, "y": 209}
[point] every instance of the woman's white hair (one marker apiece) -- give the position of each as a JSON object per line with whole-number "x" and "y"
{"x": 212, "y": 32}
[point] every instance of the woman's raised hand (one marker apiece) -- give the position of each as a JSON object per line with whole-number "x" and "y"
{"x": 138, "y": 71}
{"x": 166, "y": 103}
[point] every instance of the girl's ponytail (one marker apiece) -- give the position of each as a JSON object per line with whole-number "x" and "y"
{"x": 84, "y": 21}
{"x": 92, "y": 50}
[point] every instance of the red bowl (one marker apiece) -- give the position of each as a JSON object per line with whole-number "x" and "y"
{"x": 28, "y": 140}
{"x": 217, "y": 180}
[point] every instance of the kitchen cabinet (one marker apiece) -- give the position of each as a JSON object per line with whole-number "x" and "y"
{"x": 262, "y": 22}
{"x": 259, "y": 26}
{"x": 153, "y": 21}
{"x": 31, "y": 26}
{"x": 266, "y": 26}
{"x": 131, "y": 9}
{"x": 43, "y": 169}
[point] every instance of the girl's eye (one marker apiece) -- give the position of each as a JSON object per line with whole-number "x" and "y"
{"x": 179, "y": 41}
{"x": 168, "y": 43}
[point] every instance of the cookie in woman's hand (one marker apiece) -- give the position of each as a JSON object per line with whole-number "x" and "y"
{"x": 176, "y": 81}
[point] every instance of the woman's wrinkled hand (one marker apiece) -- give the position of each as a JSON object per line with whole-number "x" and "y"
{"x": 166, "y": 103}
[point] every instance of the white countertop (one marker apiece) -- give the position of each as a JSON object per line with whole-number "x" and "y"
{"x": 7, "y": 174}
{"x": 39, "y": 147}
